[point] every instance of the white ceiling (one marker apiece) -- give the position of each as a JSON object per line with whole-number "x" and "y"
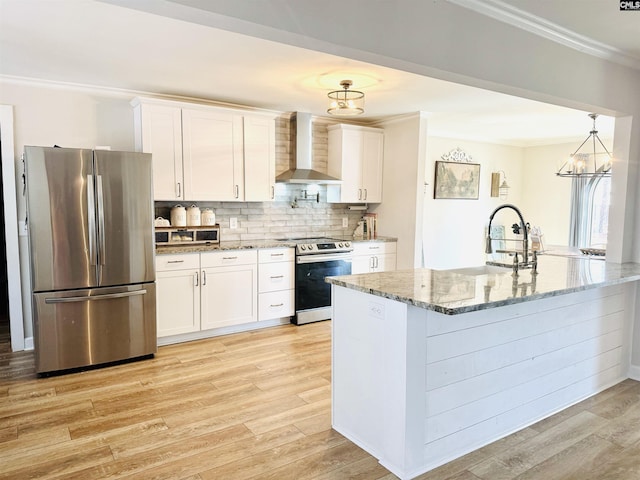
{"x": 601, "y": 21}
{"x": 93, "y": 43}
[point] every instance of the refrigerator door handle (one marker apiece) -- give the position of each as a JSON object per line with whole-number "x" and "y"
{"x": 91, "y": 221}
{"x": 101, "y": 248}
{"x": 88, "y": 298}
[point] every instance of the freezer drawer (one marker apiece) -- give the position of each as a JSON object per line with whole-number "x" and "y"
{"x": 78, "y": 328}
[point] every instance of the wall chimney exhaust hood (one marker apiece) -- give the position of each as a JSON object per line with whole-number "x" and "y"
{"x": 301, "y": 149}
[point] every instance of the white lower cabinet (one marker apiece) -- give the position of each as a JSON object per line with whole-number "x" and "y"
{"x": 209, "y": 290}
{"x": 229, "y": 281}
{"x": 276, "y": 283}
{"x": 177, "y": 294}
{"x": 369, "y": 257}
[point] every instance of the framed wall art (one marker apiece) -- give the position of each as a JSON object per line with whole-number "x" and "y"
{"x": 457, "y": 180}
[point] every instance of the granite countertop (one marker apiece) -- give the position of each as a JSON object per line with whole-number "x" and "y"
{"x": 249, "y": 244}
{"x": 459, "y": 291}
{"x": 214, "y": 247}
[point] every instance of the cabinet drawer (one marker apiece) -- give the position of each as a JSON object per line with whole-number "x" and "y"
{"x": 228, "y": 258}
{"x": 373, "y": 248}
{"x": 275, "y": 305}
{"x": 275, "y": 276}
{"x": 179, "y": 261}
{"x": 269, "y": 255}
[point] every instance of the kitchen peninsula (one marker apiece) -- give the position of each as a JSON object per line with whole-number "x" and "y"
{"x": 429, "y": 365}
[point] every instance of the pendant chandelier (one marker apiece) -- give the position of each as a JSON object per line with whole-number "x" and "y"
{"x": 345, "y": 102}
{"x": 589, "y": 162}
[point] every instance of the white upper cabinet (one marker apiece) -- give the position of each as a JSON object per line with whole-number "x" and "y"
{"x": 355, "y": 156}
{"x": 213, "y": 155}
{"x": 203, "y": 153}
{"x": 158, "y": 130}
{"x": 259, "y": 159}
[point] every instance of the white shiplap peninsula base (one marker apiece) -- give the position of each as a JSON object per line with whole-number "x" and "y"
{"x": 416, "y": 387}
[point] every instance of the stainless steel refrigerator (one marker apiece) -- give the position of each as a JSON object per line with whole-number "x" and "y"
{"x": 90, "y": 221}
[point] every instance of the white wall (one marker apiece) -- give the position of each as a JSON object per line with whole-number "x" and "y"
{"x": 400, "y": 213}
{"x": 454, "y": 230}
{"x": 545, "y": 196}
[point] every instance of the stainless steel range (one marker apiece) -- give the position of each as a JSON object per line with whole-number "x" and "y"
{"x": 317, "y": 258}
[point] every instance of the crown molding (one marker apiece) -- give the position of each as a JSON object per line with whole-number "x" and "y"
{"x": 518, "y": 18}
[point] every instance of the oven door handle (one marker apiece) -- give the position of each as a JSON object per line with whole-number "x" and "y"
{"x": 319, "y": 258}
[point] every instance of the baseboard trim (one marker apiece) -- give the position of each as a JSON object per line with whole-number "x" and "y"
{"x": 634, "y": 372}
{"x": 28, "y": 343}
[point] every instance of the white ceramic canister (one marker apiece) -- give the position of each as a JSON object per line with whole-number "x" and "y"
{"x": 178, "y": 216}
{"x": 208, "y": 217}
{"x": 193, "y": 216}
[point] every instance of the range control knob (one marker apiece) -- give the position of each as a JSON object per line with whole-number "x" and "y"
{"x": 310, "y": 247}
{"x": 347, "y": 244}
{"x": 340, "y": 245}
{"x": 303, "y": 247}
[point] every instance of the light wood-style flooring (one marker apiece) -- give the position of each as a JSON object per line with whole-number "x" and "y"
{"x": 257, "y": 406}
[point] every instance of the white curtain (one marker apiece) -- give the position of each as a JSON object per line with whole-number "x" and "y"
{"x": 579, "y": 212}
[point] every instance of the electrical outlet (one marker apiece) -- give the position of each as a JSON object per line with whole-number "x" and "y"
{"x": 233, "y": 222}
{"x": 376, "y": 310}
{"x": 345, "y": 222}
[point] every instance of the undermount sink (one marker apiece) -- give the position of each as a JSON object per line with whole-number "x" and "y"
{"x": 480, "y": 270}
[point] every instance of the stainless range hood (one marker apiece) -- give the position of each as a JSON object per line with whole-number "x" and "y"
{"x": 301, "y": 149}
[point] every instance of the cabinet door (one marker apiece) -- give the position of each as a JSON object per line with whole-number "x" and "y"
{"x": 352, "y": 166}
{"x": 178, "y": 302}
{"x": 385, "y": 262}
{"x": 229, "y": 296}
{"x": 372, "y": 149}
{"x": 361, "y": 264}
{"x": 259, "y": 159}
{"x": 212, "y": 144}
{"x": 160, "y": 133}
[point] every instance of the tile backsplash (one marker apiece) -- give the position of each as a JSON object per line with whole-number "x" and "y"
{"x": 288, "y": 216}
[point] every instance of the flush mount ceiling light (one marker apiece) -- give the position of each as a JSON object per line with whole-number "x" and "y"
{"x": 345, "y": 102}
{"x": 588, "y": 163}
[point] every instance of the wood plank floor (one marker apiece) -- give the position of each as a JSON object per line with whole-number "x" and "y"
{"x": 257, "y": 406}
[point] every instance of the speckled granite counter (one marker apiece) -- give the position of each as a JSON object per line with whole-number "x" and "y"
{"x": 464, "y": 290}
{"x": 248, "y": 244}
{"x": 172, "y": 249}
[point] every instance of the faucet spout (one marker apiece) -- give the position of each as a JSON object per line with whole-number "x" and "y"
{"x": 525, "y": 253}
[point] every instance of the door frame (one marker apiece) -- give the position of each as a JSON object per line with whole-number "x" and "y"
{"x": 11, "y": 228}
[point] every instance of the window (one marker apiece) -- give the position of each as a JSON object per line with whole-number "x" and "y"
{"x": 590, "y": 200}
{"x": 598, "y": 218}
